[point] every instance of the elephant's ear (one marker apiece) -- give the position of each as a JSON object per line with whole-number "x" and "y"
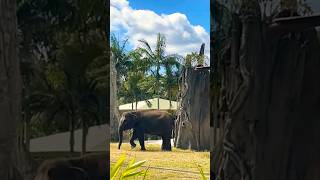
{"x": 127, "y": 121}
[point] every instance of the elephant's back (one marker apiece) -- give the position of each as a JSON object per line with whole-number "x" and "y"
{"x": 156, "y": 115}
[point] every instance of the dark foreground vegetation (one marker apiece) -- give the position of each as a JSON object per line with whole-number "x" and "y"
{"x": 54, "y": 75}
{"x": 265, "y": 91}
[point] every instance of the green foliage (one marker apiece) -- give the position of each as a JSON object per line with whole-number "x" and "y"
{"x": 193, "y": 59}
{"x": 150, "y": 72}
{"x": 201, "y": 172}
{"x": 130, "y": 171}
{"x": 120, "y": 56}
{"x": 55, "y": 76}
{"x": 65, "y": 64}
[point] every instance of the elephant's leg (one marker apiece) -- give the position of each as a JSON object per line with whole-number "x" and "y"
{"x": 141, "y": 139}
{"x": 134, "y": 137}
{"x": 166, "y": 144}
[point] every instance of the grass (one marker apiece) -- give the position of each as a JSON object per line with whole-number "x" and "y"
{"x": 184, "y": 160}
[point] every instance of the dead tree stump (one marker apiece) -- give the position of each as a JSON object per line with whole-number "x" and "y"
{"x": 193, "y": 116}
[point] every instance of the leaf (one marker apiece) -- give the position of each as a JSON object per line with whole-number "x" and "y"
{"x": 131, "y": 174}
{"x": 201, "y": 172}
{"x": 145, "y": 173}
{"x": 131, "y": 162}
{"x": 136, "y": 165}
{"x": 117, "y": 166}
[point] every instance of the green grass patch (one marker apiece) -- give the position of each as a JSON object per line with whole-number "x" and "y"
{"x": 183, "y": 160}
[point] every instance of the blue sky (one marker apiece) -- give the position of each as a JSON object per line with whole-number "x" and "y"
{"x": 185, "y": 23}
{"x": 198, "y": 12}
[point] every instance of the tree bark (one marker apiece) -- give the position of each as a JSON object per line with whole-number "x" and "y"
{"x": 26, "y": 129}
{"x": 10, "y": 90}
{"x": 84, "y": 137}
{"x": 193, "y": 121}
{"x": 268, "y": 104}
{"x": 26, "y": 165}
{"x": 114, "y": 109}
{"x": 71, "y": 128}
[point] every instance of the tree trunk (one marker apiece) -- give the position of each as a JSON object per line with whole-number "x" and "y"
{"x": 10, "y": 90}
{"x": 268, "y": 105}
{"x": 193, "y": 121}
{"x": 136, "y": 104}
{"x": 27, "y": 130}
{"x": 158, "y": 84}
{"x": 26, "y": 165}
{"x": 169, "y": 95}
{"x": 71, "y": 128}
{"x": 114, "y": 109}
{"x": 84, "y": 137}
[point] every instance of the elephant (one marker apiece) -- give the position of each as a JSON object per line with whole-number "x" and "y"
{"x": 154, "y": 122}
{"x": 89, "y": 167}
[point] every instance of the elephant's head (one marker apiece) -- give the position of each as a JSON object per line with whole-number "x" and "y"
{"x": 127, "y": 121}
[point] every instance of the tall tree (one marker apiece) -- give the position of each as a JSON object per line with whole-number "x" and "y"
{"x": 157, "y": 59}
{"x": 114, "y": 113}
{"x": 172, "y": 73}
{"x": 121, "y": 58}
{"x": 118, "y": 69}
{"x": 10, "y": 90}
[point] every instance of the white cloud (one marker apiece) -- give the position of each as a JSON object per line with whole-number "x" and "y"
{"x": 181, "y": 36}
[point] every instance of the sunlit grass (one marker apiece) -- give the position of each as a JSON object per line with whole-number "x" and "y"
{"x": 185, "y": 160}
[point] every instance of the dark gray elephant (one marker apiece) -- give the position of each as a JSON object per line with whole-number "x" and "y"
{"x": 152, "y": 122}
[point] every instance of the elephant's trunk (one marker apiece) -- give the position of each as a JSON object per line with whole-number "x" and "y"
{"x": 120, "y": 138}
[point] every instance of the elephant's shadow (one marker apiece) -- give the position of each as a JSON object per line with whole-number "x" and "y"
{"x": 149, "y": 148}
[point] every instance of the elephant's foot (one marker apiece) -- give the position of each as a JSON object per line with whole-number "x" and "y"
{"x": 133, "y": 145}
{"x": 166, "y": 149}
{"x": 166, "y": 145}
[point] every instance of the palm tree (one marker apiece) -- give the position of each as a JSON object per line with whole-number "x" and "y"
{"x": 69, "y": 84}
{"x": 122, "y": 60}
{"x": 157, "y": 59}
{"x": 172, "y": 69}
{"x": 131, "y": 87}
{"x": 89, "y": 108}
